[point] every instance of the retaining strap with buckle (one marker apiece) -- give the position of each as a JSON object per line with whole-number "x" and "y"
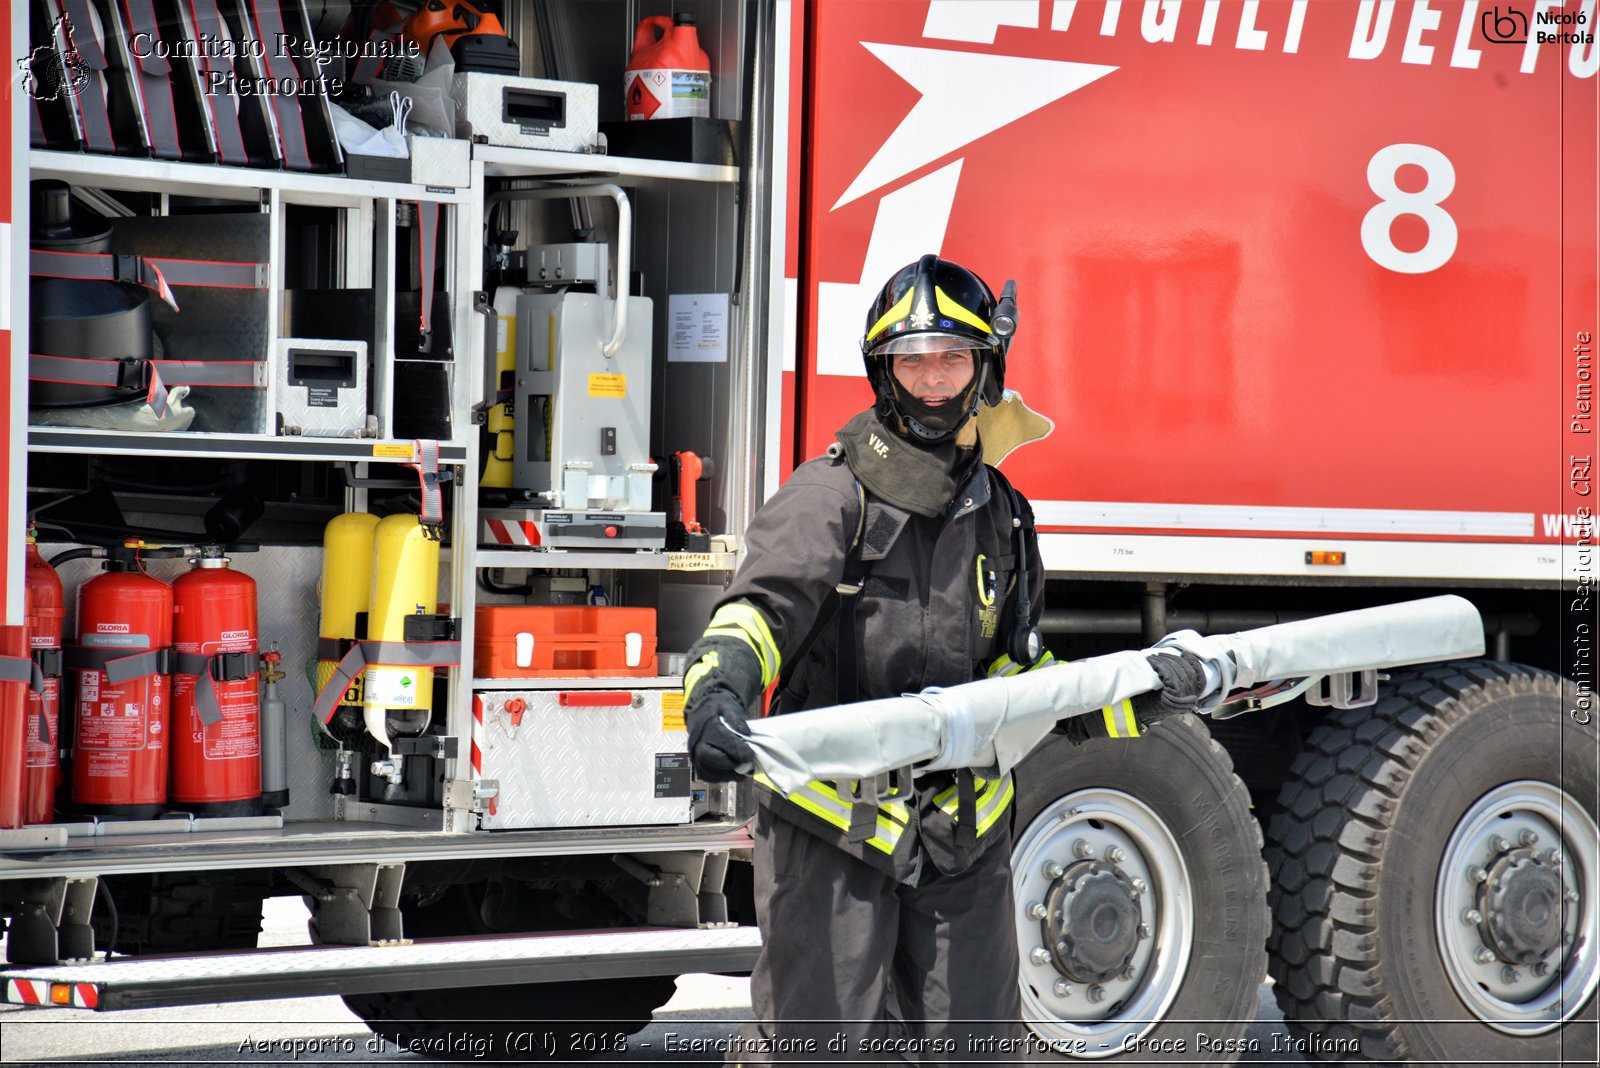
{"x": 119, "y": 665}
{"x": 208, "y": 669}
{"x": 26, "y": 670}
{"x": 364, "y": 654}
{"x": 427, "y": 469}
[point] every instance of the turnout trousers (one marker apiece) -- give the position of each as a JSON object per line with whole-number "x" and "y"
{"x": 839, "y": 936}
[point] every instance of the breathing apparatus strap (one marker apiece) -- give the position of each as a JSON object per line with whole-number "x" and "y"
{"x": 365, "y": 654}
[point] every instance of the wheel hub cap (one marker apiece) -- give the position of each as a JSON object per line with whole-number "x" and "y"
{"x": 1524, "y": 907}
{"x": 1092, "y": 922}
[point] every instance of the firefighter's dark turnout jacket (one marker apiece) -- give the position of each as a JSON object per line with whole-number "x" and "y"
{"x": 933, "y": 611}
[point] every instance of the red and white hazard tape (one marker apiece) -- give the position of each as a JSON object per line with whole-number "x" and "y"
{"x": 37, "y": 992}
{"x": 512, "y": 531}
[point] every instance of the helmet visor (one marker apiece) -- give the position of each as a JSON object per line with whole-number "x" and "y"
{"x": 926, "y": 344}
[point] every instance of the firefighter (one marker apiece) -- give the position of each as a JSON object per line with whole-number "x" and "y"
{"x": 896, "y": 562}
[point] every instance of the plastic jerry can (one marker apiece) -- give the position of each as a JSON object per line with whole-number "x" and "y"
{"x": 668, "y": 75}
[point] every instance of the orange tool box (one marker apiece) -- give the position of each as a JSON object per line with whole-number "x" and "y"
{"x": 564, "y": 641}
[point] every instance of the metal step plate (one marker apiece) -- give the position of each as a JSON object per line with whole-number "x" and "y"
{"x": 315, "y": 971}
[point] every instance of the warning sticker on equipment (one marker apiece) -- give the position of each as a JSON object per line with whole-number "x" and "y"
{"x": 393, "y": 452}
{"x": 608, "y": 386}
{"x": 672, "y": 774}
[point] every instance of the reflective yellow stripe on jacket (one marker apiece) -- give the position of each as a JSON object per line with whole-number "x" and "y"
{"x": 993, "y": 797}
{"x": 743, "y": 621}
{"x": 823, "y": 800}
{"x": 1120, "y": 720}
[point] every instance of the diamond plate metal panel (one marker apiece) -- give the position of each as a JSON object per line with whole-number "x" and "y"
{"x": 214, "y": 323}
{"x": 578, "y": 766}
{"x": 559, "y": 116}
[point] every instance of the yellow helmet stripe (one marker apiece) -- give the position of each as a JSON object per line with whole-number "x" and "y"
{"x": 899, "y": 311}
{"x": 951, "y": 310}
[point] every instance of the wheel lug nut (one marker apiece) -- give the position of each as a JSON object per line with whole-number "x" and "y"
{"x": 1477, "y": 874}
{"x": 1144, "y": 930}
{"x": 1484, "y": 955}
{"x": 1082, "y": 850}
{"x": 1037, "y": 911}
{"x": 1554, "y": 857}
{"x": 1498, "y": 844}
{"x": 1063, "y": 989}
{"x": 1508, "y": 974}
{"x": 1127, "y": 974}
{"x": 1097, "y": 994}
{"x": 1541, "y": 969}
{"x": 1052, "y": 870}
{"x": 1115, "y": 855}
{"x": 1472, "y": 917}
{"x": 1140, "y": 886}
{"x": 1528, "y": 837}
{"x": 1571, "y": 894}
{"x": 1040, "y": 955}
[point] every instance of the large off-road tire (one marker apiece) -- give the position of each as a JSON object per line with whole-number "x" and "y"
{"x": 1419, "y": 913}
{"x": 1139, "y": 858}
{"x": 180, "y": 911}
{"x": 546, "y": 1022}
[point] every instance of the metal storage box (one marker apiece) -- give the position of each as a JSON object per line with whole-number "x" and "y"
{"x": 582, "y": 758}
{"x": 527, "y": 112}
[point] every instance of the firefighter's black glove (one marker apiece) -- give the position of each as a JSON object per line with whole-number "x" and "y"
{"x": 1183, "y": 683}
{"x": 713, "y": 715}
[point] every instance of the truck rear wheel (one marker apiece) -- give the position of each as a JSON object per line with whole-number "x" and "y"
{"x": 1434, "y": 872}
{"x": 1140, "y": 896}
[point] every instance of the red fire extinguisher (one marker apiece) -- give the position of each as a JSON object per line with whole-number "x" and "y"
{"x": 46, "y": 606}
{"x": 15, "y": 671}
{"x": 119, "y": 745}
{"x": 216, "y": 701}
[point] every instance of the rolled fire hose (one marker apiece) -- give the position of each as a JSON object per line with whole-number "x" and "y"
{"x": 994, "y": 723}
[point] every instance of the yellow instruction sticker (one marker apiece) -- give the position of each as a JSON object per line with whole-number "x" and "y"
{"x": 672, "y": 711}
{"x": 393, "y": 452}
{"x": 608, "y": 385}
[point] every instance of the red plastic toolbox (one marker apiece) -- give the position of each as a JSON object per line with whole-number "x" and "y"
{"x": 562, "y": 641}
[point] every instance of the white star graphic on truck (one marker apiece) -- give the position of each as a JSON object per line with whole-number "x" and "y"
{"x": 965, "y": 96}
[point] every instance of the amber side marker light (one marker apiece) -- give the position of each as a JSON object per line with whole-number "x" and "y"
{"x": 61, "y": 993}
{"x": 1332, "y": 559}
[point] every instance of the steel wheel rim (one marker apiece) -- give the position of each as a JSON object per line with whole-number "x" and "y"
{"x": 1530, "y": 1004}
{"x": 1104, "y": 818}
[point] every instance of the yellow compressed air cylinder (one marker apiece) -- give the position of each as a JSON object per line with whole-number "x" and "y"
{"x": 405, "y": 582}
{"x": 346, "y": 587}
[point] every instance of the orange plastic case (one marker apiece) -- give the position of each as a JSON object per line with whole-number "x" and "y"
{"x": 562, "y": 641}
